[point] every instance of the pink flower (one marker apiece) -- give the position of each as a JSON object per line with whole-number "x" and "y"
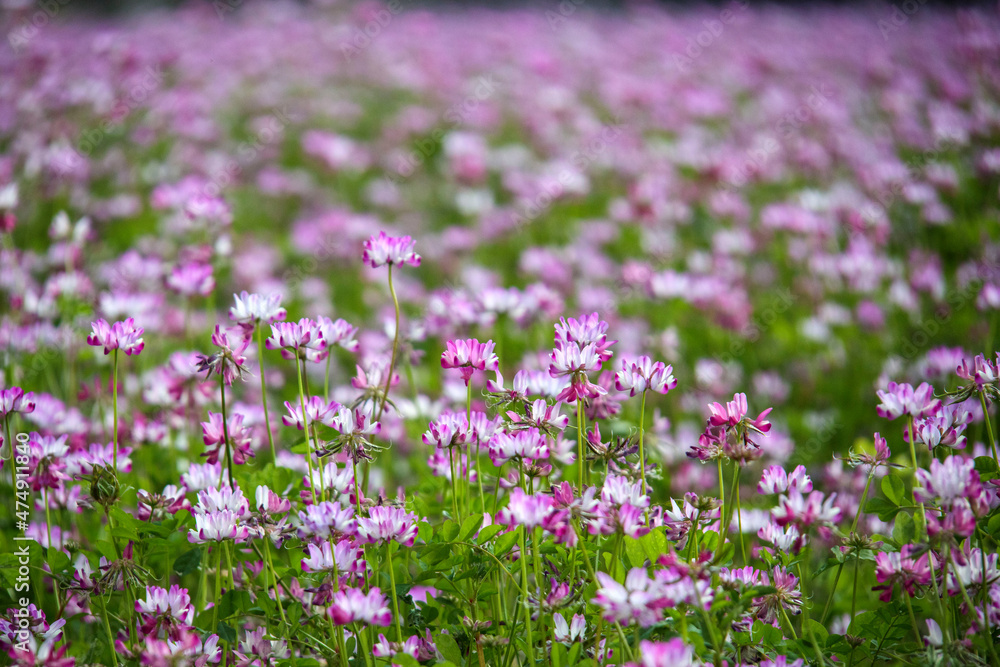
{"x": 382, "y": 249}
{"x": 217, "y": 527}
{"x": 469, "y": 355}
{"x": 253, "y": 308}
{"x": 734, "y": 413}
{"x": 345, "y": 558}
{"x": 295, "y": 337}
{"x": 583, "y": 332}
{"x": 240, "y": 438}
{"x": 525, "y": 510}
{"x": 528, "y": 444}
{"x": 325, "y": 519}
{"x": 229, "y": 362}
{"x": 804, "y": 511}
{"x": 121, "y": 335}
{"x": 193, "y": 278}
{"x": 351, "y": 605}
{"x": 385, "y": 524}
{"x": 573, "y": 631}
{"x": 982, "y": 372}
{"x": 170, "y": 610}
{"x": 642, "y": 374}
{"x": 338, "y": 332}
{"x": 900, "y": 399}
{"x": 948, "y": 481}
{"x": 637, "y": 600}
{"x": 15, "y": 400}
{"x": 776, "y": 480}
{"x": 673, "y": 653}
{"x": 575, "y": 362}
{"x": 268, "y": 502}
{"x": 901, "y": 568}
{"x": 317, "y": 411}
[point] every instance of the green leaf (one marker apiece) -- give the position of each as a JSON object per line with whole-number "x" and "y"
{"x": 449, "y": 531}
{"x": 488, "y": 533}
{"x": 448, "y": 648}
{"x": 226, "y": 633}
{"x": 885, "y": 509}
{"x": 636, "y": 554}
{"x": 504, "y": 543}
{"x": 818, "y": 630}
{"x": 188, "y": 562}
{"x": 469, "y": 527}
{"x": 57, "y": 560}
{"x": 985, "y": 465}
{"x": 893, "y": 488}
{"x": 234, "y": 602}
{"x": 425, "y": 532}
{"x": 905, "y": 530}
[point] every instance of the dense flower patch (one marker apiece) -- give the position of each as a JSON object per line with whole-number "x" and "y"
{"x": 554, "y": 337}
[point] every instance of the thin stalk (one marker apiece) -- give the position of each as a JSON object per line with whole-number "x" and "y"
{"x": 579, "y": 439}
{"x": 913, "y": 457}
{"x": 971, "y": 607}
{"x": 114, "y": 407}
{"x": 454, "y": 483}
{"x": 225, "y": 432}
{"x": 989, "y": 425}
{"x": 854, "y": 596}
{"x": 739, "y": 513}
{"x": 218, "y": 585}
{"x": 840, "y": 566}
{"x": 107, "y": 628}
{"x": 395, "y": 347}
{"x": 479, "y": 471}
{"x": 305, "y": 429}
{"x": 12, "y": 465}
{"x": 913, "y": 618}
{"x": 274, "y": 584}
{"x": 395, "y": 602}
{"x": 527, "y": 610}
{"x": 263, "y": 390}
{"x": 807, "y": 629}
{"x": 642, "y": 452}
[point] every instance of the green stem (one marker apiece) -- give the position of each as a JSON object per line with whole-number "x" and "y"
{"x": 274, "y": 583}
{"x": 225, "y": 432}
{"x": 913, "y": 618}
{"x": 395, "y": 603}
{"x": 805, "y": 617}
{"x": 305, "y": 429}
{"x": 530, "y": 646}
{"x": 107, "y": 628}
{"x": 739, "y": 513}
{"x": 989, "y": 425}
{"x": 263, "y": 390}
{"x": 581, "y": 459}
{"x": 218, "y": 586}
{"x": 854, "y": 596}
{"x": 922, "y": 533}
{"x": 114, "y": 407}
{"x": 840, "y": 566}
{"x": 642, "y": 452}
{"x": 395, "y": 347}
{"x": 454, "y": 484}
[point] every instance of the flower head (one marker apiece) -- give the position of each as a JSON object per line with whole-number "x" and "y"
{"x": 229, "y": 362}
{"x": 383, "y": 249}
{"x": 124, "y": 335}
{"x": 469, "y": 356}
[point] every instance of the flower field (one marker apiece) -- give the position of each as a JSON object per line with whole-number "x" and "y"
{"x": 380, "y": 334}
